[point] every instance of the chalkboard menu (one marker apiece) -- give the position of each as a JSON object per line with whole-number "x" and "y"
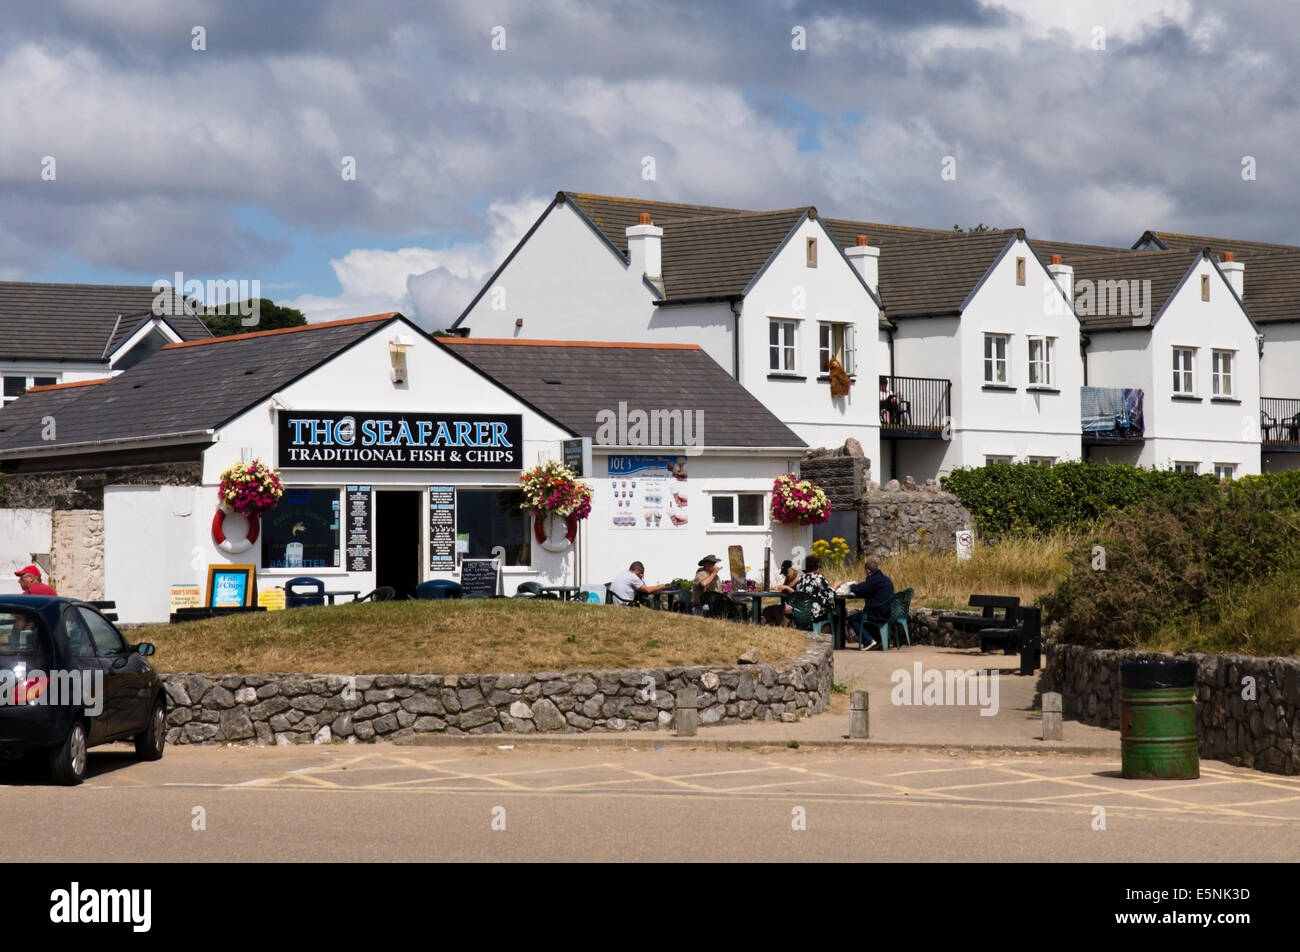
{"x": 573, "y": 456}
{"x": 442, "y": 528}
{"x": 358, "y": 546}
{"x": 479, "y": 577}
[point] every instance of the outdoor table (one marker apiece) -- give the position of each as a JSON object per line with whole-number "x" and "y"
{"x": 330, "y": 595}
{"x": 757, "y": 599}
{"x": 567, "y": 593}
{"x": 840, "y": 630}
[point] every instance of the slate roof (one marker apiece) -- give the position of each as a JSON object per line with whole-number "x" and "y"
{"x": 717, "y": 257}
{"x": 185, "y": 387}
{"x": 1164, "y": 269}
{"x": 77, "y": 321}
{"x": 590, "y": 377}
{"x": 1272, "y": 286}
{"x": 1070, "y": 250}
{"x": 936, "y": 275}
{"x": 614, "y": 215}
{"x": 1243, "y": 250}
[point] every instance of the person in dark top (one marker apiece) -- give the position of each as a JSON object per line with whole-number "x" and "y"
{"x": 878, "y": 590}
{"x": 813, "y": 584}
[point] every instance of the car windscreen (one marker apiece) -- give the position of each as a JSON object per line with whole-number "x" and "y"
{"x": 22, "y": 638}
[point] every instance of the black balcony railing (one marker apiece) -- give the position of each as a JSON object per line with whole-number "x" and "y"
{"x": 1279, "y": 422}
{"x": 919, "y": 408}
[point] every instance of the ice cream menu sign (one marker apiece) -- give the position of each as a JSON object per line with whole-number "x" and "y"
{"x": 649, "y": 492}
{"x": 358, "y": 546}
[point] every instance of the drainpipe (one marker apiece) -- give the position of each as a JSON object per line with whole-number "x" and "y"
{"x": 735, "y": 340}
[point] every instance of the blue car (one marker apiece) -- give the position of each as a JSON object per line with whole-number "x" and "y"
{"x": 69, "y": 681}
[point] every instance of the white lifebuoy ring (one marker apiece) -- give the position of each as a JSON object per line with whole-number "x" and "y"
{"x": 233, "y": 546}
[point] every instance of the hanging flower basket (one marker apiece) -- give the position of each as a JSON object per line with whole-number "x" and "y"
{"x": 799, "y": 502}
{"x": 250, "y": 489}
{"x": 558, "y": 501}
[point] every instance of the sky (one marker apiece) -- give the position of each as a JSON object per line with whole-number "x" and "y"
{"x": 357, "y": 157}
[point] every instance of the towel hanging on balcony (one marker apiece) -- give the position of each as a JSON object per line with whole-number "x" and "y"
{"x": 840, "y": 382}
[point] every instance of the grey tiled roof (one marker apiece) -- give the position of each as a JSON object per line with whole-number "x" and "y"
{"x": 614, "y": 215}
{"x": 1242, "y": 249}
{"x": 718, "y": 256}
{"x": 571, "y": 382}
{"x": 1070, "y": 251}
{"x": 182, "y": 388}
{"x": 76, "y": 321}
{"x": 936, "y": 275}
{"x": 1164, "y": 269}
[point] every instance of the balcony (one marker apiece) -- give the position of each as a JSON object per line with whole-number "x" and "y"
{"x": 1111, "y": 415}
{"x": 920, "y": 410}
{"x": 1279, "y": 424}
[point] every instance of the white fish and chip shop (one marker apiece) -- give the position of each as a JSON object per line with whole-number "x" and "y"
{"x": 400, "y": 455}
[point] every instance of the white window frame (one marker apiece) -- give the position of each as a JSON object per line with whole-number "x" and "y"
{"x": 848, "y": 346}
{"x": 1221, "y": 375}
{"x": 1224, "y": 471}
{"x": 782, "y": 323}
{"x": 1048, "y": 461}
{"x": 992, "y": 458}
{"x": 1184, "y": 379}
{"x": 1042, "y": 367}
{"x": 992, "y": 362}
{"x": 735, "y": 495}
{"x": 1186, "y": 466}
{"x": 29, "y": 381}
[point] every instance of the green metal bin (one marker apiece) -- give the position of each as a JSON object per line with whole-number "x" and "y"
{"x": 1157, "y": 710}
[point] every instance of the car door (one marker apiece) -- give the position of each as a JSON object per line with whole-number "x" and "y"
{"x": 124, "y": 675}
{"x": 82, "y": 657}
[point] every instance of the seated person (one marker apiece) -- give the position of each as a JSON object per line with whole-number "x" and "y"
{"x": 814, "y": 584}
{"x": 629, "y": 588}
{"x": 878, "y": 590}
{"x": 707, "y": 591}
{"x": 889, "y": 408}
{"x": 775, "y": 614}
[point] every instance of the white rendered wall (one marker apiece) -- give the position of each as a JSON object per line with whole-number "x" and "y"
{"x": 23, "y": 533}
{"x": 1281, "y": 360}
{"x": 156, "y": 537}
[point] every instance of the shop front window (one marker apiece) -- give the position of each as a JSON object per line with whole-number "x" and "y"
{"x": 302, "y": 532}
{"x": 488, "y": 518}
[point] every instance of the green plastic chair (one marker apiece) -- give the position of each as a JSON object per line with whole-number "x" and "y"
{"x": 801, "y": 614}
{"x": 898, "y": 607}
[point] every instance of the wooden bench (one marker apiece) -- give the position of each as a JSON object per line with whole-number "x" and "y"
{"x": 107, "y": 609}
{"x": 1009, "y": 604}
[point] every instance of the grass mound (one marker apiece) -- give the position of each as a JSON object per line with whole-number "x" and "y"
{"x": 459, "y": 637}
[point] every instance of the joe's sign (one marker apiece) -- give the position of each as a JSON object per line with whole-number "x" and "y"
{"x": 333, "y": 440}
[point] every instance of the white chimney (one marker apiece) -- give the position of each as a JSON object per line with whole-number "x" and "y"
{"x": 1235, "y": 272}
{"x": 1063, "y": 275}
{"x": 866, "y": 259}
{"x": 645, "y": 248}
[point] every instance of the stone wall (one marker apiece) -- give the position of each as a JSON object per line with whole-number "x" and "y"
{"x": 78, "y": 551}
{"x": 1262, "y": 731}
{"x": 299, "y": 709}
{"x": 84, "y": 489}
{"x": 924, "y": 626}
{"x": 842, "y": 478}
{"x": 899, "y": 517}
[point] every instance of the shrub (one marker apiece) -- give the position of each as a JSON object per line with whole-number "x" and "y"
{"x": 1173, "y": 560}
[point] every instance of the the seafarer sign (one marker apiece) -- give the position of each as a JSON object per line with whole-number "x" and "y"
{"x": 332, "y": 440}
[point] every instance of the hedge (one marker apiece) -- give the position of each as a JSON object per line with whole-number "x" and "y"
{"x": 1019, "y": 498}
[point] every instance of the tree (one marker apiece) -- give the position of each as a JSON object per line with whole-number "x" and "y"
{"x": 974, "y": 229}
{"x": 271, "y": 317}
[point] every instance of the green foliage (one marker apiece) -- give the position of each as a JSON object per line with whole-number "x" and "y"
{"x": 1179, "y": 562}
{"x": 271, "y": 317}
{"x": 1020, "y": 498}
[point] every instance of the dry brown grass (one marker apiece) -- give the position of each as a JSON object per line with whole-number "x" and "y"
{"x": 459, "y": 637}
{"x": 1025, "y": 567}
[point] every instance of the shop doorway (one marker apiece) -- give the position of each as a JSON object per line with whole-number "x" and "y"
{"x": 397, "y": 540}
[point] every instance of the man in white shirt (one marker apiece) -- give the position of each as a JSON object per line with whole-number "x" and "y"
{"x": 628, "y": 586}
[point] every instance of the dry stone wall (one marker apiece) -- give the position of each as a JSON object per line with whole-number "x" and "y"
{"x": 1247, "y": 708}
{"x": 901, "y": 517}
{"x": 78, "y": 550}
{"x": 301, "y": 709}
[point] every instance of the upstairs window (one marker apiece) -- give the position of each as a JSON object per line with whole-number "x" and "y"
{"x": 16, "y": 385}
{"x": 1184, "y": 379}
{"x": 812, "y": 252}
{"x": 1205, "y": 287}
{"x": 835, "y": 340}
{"x": 1041, "y": 350}
{"x": 1020, "y": 271}
{"x": 996, "y": 347}
{"x": 1221, "y": 373}
{"x": 781, "y": 349}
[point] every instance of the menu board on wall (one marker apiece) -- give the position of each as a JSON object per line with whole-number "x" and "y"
{"x": 648, "y": 492}
{"x": 358, "y": 545}
{"x": 442, "y": 528}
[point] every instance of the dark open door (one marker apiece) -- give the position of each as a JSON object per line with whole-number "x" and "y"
{"x": 397, "y": 540}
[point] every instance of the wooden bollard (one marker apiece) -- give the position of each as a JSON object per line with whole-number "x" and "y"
{"x": 688, "y": 713}
{"x": 859, "y": 725}
{"x": 1053, "y": 723}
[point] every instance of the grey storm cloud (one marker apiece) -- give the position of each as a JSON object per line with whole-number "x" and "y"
{"x": 158, "y": 145}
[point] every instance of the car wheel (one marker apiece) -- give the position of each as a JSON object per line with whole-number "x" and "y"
{"x": 68, "y": 760}
{"x": 149, "y": 742}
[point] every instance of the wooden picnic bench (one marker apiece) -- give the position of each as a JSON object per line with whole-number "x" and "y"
{"x": 964, "y": 621}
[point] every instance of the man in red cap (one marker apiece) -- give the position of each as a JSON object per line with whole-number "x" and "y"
{"x": 30, "y": 579}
